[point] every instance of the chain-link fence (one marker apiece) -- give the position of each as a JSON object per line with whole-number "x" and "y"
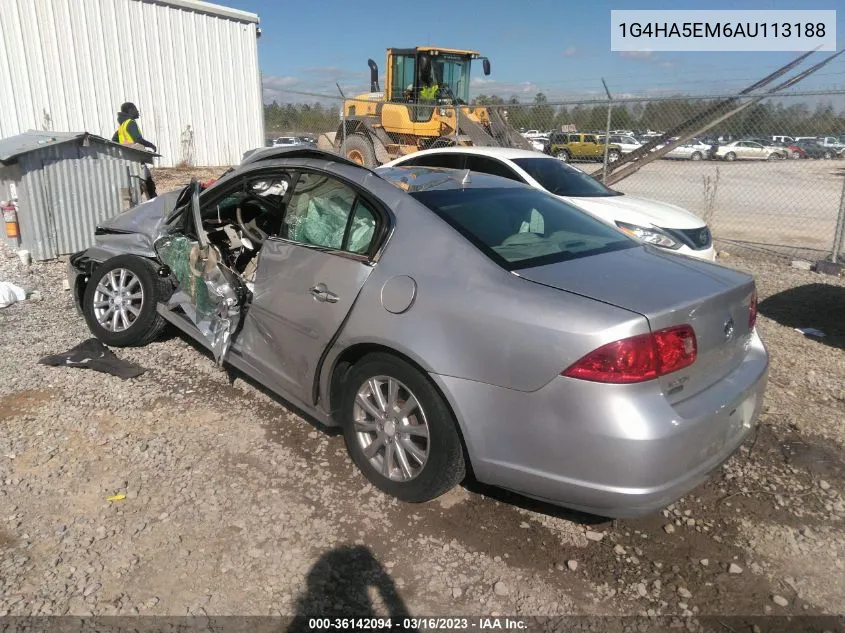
{"x": 770, "y": 177}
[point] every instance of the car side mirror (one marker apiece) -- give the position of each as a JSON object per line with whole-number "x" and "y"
{"x": 485, "y": 64}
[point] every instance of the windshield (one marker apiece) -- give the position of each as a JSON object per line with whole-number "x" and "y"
{"x": 522, "y": 227}
{"x": 563, "y": 180}
{"x": 453, "y": 71}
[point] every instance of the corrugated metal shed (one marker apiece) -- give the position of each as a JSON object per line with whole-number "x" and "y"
{"x": 191, "y": 67}
{"x": 65, "y": 185}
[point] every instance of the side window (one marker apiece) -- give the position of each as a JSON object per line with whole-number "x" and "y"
{"x": 362, "y": 228}
{"x": 403, "y": 76}
{"x": 589, "y": 138}
{"x": 492, "y": 166}
{"x": 325, "y": 212}
{"x": 446, "y": 160}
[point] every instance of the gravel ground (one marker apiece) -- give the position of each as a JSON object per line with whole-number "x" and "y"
{"x": 236, "y": 505}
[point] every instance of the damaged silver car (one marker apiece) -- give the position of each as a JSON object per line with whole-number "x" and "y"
{"x": 449, "y": 322}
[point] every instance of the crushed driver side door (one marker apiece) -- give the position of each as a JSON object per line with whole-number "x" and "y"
{"x": 209, "y": 293}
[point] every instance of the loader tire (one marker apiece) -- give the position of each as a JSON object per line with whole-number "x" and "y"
{"x": 358, "y": 148}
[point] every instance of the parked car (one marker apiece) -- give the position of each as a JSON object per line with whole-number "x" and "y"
{"x": 779, "y": 146}
{"x": 446, "y": 323}
{"x": 657, "y": 223}
{"x": 288, "y": 141}
{"x": 626, "y": 143}
{"x": 796, "y": 150}
{"x": 540, "y": 143}
{"x": 812, "y": 149}
{"x": 530, "y": 134}
{"x": 692, "y": 150}
{"x": 567, "y": 147}
{"x": 748, "y": 150}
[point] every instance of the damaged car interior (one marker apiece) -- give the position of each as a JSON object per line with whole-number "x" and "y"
{"x": 220, "y": 240}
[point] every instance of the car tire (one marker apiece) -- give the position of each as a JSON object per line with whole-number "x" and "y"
{"x": 136, "y": 282}
{"x": 358, "y": 148}
{"x": 730, "y": 157}
{"x": 563, "y": 155}
{"x": 612, "y": 156}
{"x": 827, "y": 156}
{"x": 435, "y": 464}
{"x": 696, "y": 156}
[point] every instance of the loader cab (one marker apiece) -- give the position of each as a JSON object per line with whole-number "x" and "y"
{"x": 411, "y": 73}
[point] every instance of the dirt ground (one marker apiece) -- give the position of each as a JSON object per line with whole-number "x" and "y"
{"x": 232, "y": 503}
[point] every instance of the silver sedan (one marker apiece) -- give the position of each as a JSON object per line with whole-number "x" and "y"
{"x": 449, "y": 322}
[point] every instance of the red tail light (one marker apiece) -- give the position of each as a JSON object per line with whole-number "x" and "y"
{"x": 638, "y": 358}
{"x": 752, "y": 311}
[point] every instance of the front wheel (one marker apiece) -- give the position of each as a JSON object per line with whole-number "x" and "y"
{"x": 612, "y": 156}
{"x": 563, "y": 155}
{"x": 828, "y": 155}
{"x": 120, "y": 301}
{"x": 359, "y": 149}
{"x": 696, "y": 156}
{"x": 399, "y": 431}
{"x": 730, "y": 156}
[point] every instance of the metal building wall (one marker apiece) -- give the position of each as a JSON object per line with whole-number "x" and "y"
{"x": 191, "y": 68}
{"x": 65, "y": 191}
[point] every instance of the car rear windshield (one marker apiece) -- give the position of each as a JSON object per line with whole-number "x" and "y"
{"x": 521, "y": 227}
{"x": 563, "y": 180}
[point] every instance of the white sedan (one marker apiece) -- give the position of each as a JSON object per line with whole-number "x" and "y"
{"x": 627, "y": 143}
{"x": 658, "y": 223}
{"x": 748, "y": 150}
{"x": 693, "y": 150}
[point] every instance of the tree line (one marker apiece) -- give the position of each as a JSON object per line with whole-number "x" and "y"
{"x": 773, "y": 116}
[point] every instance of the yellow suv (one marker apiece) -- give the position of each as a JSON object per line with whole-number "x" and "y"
{"x": 566, "y": 147}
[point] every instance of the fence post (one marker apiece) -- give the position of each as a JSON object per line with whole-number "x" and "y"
{"x": 839, "y": 234}
{"x": 457, "y": 118}
{"x": 607, "y": 130}
{"x": 342, "y": 119}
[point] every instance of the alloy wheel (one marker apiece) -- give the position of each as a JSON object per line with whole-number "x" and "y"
{"x": 391, "y": 428}
{"x": 118, "y": 300}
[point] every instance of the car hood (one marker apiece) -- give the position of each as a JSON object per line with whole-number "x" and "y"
{"x": 639, "y": 211}
{"x": 135, "y": 230}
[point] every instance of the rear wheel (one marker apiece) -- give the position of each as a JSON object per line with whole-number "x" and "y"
{"x": 120, "y": 301}
{"x": 359, "y": 149}
{"x": 696, "y": 156}
{"x": 563, "y": 155}
{"x": 828, "y": 155}
{"x": 612, "y": 156}
{"x": 399, "y": 430}
{"x": 730, "y": 156}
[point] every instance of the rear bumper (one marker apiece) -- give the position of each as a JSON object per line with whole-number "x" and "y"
{"x": 612, "y": 450}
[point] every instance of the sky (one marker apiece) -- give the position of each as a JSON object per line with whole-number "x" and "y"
{"x": 558, "y": 47}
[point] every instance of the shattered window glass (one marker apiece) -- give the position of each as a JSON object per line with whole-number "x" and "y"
{"x": 320, "y": 210}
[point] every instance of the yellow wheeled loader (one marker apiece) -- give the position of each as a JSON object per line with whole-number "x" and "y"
{"x": 424, "y": 104}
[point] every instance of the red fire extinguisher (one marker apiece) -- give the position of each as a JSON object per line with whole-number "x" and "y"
{"x": 10, "y": 218}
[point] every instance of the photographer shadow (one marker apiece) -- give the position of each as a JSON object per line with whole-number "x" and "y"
{"x": 339, "y": 585}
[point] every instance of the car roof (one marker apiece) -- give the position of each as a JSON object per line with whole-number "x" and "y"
{"x": 508, "y": 153}
{"x": 413, "y": 178}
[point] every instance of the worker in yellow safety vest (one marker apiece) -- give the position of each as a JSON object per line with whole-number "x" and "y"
{"x": 128, "y": 130}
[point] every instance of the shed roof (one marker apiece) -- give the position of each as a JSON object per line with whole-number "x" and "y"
{"x": 32, "y": 140}
{"x": 207, "y": 7}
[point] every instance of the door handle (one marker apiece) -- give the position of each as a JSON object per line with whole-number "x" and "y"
{"x": 321, "y": 293}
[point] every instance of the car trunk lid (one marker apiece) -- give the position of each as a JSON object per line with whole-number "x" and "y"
{"x": 667, "y": 290}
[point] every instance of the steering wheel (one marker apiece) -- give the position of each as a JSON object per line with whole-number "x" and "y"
{"x": 251, "y": 228}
